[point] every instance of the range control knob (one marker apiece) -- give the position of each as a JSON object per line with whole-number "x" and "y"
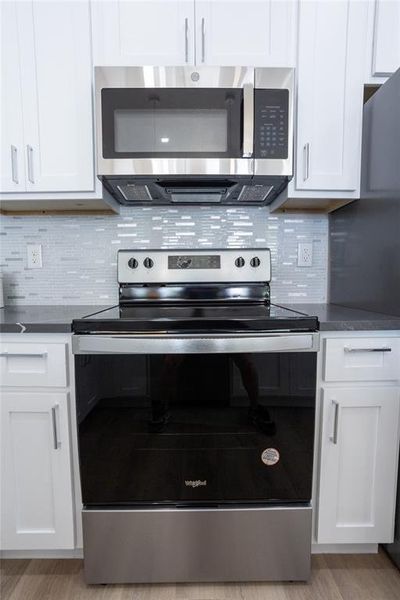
{"x": 255, "y": 262}
{"x": 148, "y": 262}
{"x": 239, "y": 262}
{"x": 132, "y": 263}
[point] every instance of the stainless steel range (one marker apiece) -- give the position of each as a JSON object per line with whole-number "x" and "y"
{"x": 195, "y": 402}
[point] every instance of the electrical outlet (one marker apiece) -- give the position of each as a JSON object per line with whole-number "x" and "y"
{"x": 34, "y": 256}
{"x": 305, "y": 254}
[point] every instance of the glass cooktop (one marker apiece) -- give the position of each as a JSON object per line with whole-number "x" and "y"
{"x": 208, "y": 318}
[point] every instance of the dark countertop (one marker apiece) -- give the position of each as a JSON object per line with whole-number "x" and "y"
{"x": 58, "y": 318}
{"x": 43, "y": 319}
{"x": 333, "y": 317}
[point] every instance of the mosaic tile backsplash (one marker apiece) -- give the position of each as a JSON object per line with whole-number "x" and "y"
{"x": 79, "y": 252}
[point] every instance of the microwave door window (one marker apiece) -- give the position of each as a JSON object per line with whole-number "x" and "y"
{"x": 172, "y": 123}
{"x": 171, "y": 131}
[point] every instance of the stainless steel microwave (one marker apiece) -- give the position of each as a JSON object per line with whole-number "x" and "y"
{"x": 188, "y": 135}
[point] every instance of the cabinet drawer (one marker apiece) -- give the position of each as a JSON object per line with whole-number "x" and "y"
{"x": 362, "y": 359}
{"x": 30, "y": 365}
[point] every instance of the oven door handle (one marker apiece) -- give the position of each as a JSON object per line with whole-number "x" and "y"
{"x": 194, "y": 344}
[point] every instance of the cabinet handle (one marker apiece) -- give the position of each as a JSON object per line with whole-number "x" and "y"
{"x": 6, "y": 354}
{"x": 186, "y": 40}
{"x": 306, "y": 161}
{"x": 14, "y": 164}
{"x": 203, "y": 40}
{"x": 29, "y": 152}
{"x": 383, "y": 349}
{"x": 334, "y": 437}
{"x": 57, "y": 443}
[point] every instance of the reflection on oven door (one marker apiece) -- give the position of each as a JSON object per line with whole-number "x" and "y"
{"x": 205, "y": 429}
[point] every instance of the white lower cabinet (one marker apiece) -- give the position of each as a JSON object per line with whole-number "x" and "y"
{"x": 358, "y": 464}
{"x": 37, "y": 502}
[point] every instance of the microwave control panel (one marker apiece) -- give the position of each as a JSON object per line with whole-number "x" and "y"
{"x": 271, "y": 123}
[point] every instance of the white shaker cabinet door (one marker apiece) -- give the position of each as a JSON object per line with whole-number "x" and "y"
{"x": 36, "y": 483}
{"x": 57, "y": 95}
{"x": 12, "y": 167}
{"x": 248, "y": 33}
{"x": 358, "y": 465}
{"x": 386, "y": 38}
{"x": 332, "y": 43}
{"x": 143, "y": 32}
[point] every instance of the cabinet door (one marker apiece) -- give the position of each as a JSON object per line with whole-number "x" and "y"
{"x": 37, "y": 504}
{"x": 358, "y": 464}
{"x": 386, "y": 44}
{"x": 332, "y": 40}
{"x": 143, "y": 32}
{"x": 12, "y": 174}
{"x": 249, "y": 33}
{"x": 57, "y": 96}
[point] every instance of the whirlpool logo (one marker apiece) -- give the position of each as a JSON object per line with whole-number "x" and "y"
{"x": 195, "y": 484}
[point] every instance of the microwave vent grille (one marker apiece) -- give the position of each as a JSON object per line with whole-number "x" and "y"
{"x": 132, "y": 192}
{"x": 254, "y": 193}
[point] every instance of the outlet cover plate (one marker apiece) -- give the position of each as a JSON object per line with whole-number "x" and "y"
{"x": 305, "y": 254}
{"x": 34, "y": 256}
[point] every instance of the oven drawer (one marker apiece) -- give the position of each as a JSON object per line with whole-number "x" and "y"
{"x": 362, "y": 359}
{"x": 33, "y": 365}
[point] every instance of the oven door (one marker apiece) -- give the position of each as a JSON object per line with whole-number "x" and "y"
{"x": 175, "y": 120}
{"x": 197, "y": 421}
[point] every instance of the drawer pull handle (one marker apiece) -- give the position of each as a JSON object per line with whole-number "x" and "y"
{"x": 57, "y": 443}
{"x": 383, "y": 349}
{"x": 334, "y": 437}
{"x": 6, "y": 354}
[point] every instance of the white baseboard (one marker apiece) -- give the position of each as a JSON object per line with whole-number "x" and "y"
{"x": 344, "y": 548}
{"x": 77, "y": 553}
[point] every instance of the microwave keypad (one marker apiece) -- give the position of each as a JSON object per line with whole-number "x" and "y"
{"x": 271, "y": 123}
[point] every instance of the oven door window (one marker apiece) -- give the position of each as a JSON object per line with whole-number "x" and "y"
{"x": 195, "y": 429}
{"x": 173, "y": 123}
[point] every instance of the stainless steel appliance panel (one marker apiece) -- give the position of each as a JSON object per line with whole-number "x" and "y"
{"x": 180, "y": 545}
{"x": 277, "y": 79}
{"x": 192, "y": 344}
{"x": 234, "y": 266}
{"x": 245, "y": 78}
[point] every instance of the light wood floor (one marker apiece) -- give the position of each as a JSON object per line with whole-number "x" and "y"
{"x": 334, "y": 577}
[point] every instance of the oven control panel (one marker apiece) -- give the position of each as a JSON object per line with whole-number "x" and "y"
{"x": 194, "y": 266}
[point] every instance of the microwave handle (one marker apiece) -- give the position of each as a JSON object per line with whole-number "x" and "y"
{"x": 248, "y": 120}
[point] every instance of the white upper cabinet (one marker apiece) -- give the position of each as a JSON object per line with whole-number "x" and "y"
{"x": 143, "y": 32}
{"x": 12, "y": 166}
{"x": 358, "y": 464}
{"x": 56, "y": 68}
{"x": 179, "y": 32}
{"x": 386, "y": 38}
{"x": 250, "y": 33}
{"x": 332, "y": 44}
{"x": 51, "y": 43}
